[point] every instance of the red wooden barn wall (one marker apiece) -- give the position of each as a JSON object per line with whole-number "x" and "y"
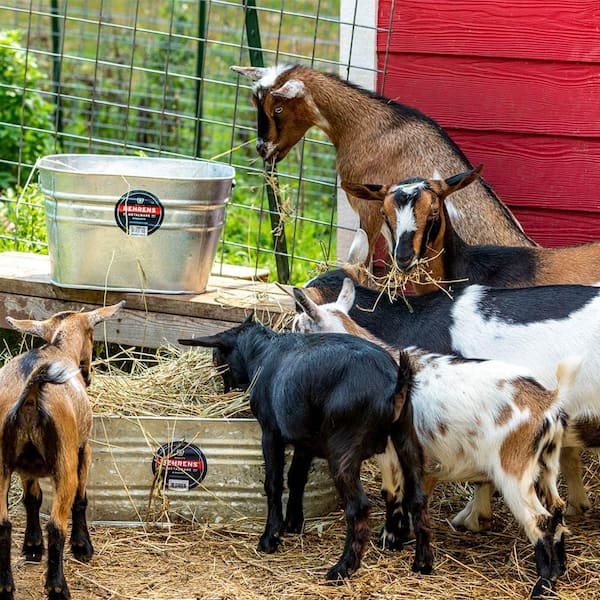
{"x": 516, "y": 83}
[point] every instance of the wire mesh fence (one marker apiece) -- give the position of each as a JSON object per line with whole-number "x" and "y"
{"x": 133, "y": 77}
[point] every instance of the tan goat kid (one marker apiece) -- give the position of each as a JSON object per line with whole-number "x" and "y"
{"x": 45, "y": 426}
{"x": 421, "y": 227}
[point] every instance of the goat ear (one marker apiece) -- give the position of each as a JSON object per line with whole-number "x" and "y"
{"x": 305, "y": 303}
{"x": 365, "y": 191}
{"x": 457, "y": 182}
{"x": 28, "y": 326}
{"x": 102, "y": 314}
{"x": 347, "y": 294}
{"x": 222, "y": 340}
{"x": 293, "y": 88}
{"x": 249, "y": 319}
{"x": 359, "y": 248}
{"x": 254, "y": 73}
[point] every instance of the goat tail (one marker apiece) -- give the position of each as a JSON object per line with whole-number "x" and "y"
{"x": 567, "y": 371}
{"x": 55, "y": 372}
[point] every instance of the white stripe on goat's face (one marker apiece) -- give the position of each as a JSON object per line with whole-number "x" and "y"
{"x": 401, "y": 221}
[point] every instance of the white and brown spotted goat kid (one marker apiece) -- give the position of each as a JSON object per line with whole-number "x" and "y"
{"x": 479, "y": 420}
{"x": 421, "y": 225}
{"x": 45, "y": 426}
{"x": 376, "y": 139}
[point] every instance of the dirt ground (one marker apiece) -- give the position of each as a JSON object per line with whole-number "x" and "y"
{"x": 220, "y": 562}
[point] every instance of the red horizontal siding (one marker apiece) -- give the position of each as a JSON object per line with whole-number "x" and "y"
{"x": 517, "y": 85}
{"x": 498, "y": 94}
{"x": 566, "y": 30}
{"x": 536, "y": 171}
{"x": 553, "y": 228}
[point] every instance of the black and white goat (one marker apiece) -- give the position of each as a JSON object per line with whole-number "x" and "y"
{"x": 335, "y": 397}
{"x": 481, "y": 420}
{"x": 534, "y": 327}
{"x": 45, "y": 426}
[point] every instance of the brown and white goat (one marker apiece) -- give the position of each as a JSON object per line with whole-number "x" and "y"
{"x": 421, "y": 226}
{"x": 479, "y": 420}
{"x": 45, "y": 426}
{"x": 376, "y": 139}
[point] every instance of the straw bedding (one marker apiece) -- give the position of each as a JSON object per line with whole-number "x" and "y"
{"x": 220, "y": 562}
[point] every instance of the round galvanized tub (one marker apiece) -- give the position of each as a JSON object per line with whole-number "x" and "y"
{"x": 131, "y": 223}
{"x": 123, "y": 487}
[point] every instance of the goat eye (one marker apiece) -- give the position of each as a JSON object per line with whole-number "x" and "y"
{"x": 278, "y": 110}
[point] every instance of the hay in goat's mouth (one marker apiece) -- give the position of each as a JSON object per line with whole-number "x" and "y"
{"x": 172, "y": 382}
{"x": 395, "y": 283}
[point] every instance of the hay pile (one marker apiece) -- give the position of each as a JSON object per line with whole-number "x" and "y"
{"x": 172, "y": 382}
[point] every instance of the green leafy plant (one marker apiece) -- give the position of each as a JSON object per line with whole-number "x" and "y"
{"x": 22, "y": 220}
{"x": 26, "y": 125}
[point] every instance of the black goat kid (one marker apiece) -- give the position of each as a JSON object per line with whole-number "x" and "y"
{"x": 331, "y": 396}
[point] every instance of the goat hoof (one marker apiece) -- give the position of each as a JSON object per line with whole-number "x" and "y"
{"x": 58, "y": 592}
{"x": 577, "y": 509}
{"x": 268, "y": 544}
{"x": 33, "y": 552}
{"x": 338, "y": 573}
{"x": 294, "y": 526}
{"x": 388, "y": 540}
{"x": 82, "y": 550}
{"x": 543, "y": 588}
{"x": 424, "y": 567}
{"x": 7, "y": 590}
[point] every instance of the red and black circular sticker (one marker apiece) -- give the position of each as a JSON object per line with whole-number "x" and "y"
{"x": 182, "y": 465}
{"x": 139, "y": 213}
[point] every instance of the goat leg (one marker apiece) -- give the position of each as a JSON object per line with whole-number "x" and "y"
{"x": 7, "y": 585}
{"x": 356, "y": 509}
{"x": 297, "y": 477}
{"x": 274, "y": 455}
{"x": 81, "y": 544}
{"x": 410, "y": 455}
{"x": 33, "y": 543}
{"x": 56, "y": 585}
{"x": 396, "y": 529}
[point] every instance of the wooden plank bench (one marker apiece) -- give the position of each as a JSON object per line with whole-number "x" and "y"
{"x": 148, "y": 320}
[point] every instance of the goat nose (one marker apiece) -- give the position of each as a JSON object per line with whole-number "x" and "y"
{"x": 405, "y": 262}
{"x": 261, "y": 146}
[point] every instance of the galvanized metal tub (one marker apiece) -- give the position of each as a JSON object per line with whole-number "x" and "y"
{"x": 132, "y": 223}
{"x": 122, "y": 488}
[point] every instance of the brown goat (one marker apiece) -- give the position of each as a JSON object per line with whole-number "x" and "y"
{"x": 419, "y": 228}
{"x": 45, "y": 426}
{"x": 376, "y": 139}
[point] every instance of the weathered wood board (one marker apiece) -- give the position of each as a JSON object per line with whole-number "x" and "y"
{"x": 148, "y": 320}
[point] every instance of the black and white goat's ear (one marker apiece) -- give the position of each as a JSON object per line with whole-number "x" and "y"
{"x": 305, "y": 303}
{"x": 345, "y": 300}
{"x": 359, "y": 248}
{"x": 224, "y": 341}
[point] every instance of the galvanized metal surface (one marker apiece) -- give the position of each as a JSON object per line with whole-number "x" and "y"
{"x": 122, "y": 488}
{"x": 87, "y": 247}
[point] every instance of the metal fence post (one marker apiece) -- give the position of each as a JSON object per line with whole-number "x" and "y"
{"x": 277, "y": 226}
